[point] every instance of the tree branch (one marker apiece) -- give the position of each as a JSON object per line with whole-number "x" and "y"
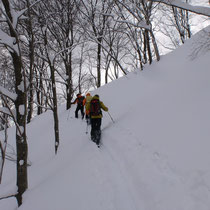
{"x": 181, "y": 5}
{"x": 8, "y": 196}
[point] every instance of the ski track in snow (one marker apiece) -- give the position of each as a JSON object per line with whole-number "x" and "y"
{"x": 119, "y": 171}
{"x": 115, "y": 169}
{"x": 171, "y": 176}
{"x": 124, "y": 161}
{"x": 117, "y": 154}
{"x": 118, "y": 179}
{"x": 110, "y": 172}
{"x": 112, "y": 177}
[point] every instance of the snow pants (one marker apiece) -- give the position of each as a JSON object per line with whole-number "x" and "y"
{"x": 81, "y": 108}
{"x": 96, "y": 130}
{"x": 87, "y": 117}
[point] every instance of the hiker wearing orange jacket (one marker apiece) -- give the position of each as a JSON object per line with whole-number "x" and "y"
{"x": 86, "y": 101}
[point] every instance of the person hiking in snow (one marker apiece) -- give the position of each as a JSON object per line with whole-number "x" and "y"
{"x": 94, "y": 107}
{"x": 86, "y": 101}
{"x": 79, "y": 102}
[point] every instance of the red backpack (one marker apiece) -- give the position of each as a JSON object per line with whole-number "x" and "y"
{"x": 95, "y": 107}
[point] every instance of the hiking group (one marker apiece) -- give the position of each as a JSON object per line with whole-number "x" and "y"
{"x": 93, "y": 113}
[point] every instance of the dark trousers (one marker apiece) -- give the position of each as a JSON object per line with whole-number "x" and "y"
{"x": 81, "y": 108}
{"x": 96, "y": 129}
{"x": 87, "y": 117}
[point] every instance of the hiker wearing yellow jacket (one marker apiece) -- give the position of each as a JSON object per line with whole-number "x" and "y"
{"x": 94, "y": 108}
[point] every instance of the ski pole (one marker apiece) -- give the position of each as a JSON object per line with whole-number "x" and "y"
{"x": 87, "y": 128}
{"x": 68, "y": 115}
{"x": 111, "y": 117}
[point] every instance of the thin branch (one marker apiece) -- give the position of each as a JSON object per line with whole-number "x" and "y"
{"x": 8, "y": 196}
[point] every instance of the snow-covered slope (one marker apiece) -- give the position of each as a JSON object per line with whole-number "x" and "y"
{"x": 155, "y": 156}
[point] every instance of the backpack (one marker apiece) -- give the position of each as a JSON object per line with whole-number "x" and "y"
{"x": 88, "y": 99}
{"x": 80, "y": 101}
{"x": 95, "y": 107}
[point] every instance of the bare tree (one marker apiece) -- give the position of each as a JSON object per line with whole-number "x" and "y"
{"x": 139, "y": 20}
{"x": 6, "y": 82}
{"x": 11, "y": 19}
{"x": 31, "y": 45}
{"x": 3, "y": 142}
{"x": 50, "y": 59}
{"x": 64, "y": 17}
{"x": 181, "y": 18}
{"x": 115, "y": 48}
{"x": 94, "y": 16}
{"x": 39, "y": 87}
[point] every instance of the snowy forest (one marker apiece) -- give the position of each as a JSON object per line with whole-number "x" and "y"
{"x": 50, "y": 50}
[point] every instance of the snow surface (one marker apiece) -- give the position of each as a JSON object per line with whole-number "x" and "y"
{"x": 155, "y": 156}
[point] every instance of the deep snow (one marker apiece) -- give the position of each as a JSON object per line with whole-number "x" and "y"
{"x": 155, "y": 156}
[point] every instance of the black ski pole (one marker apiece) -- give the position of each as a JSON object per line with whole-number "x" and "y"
{"x": 111, "y": 117}
{"x": 68, "y": 114}
{"x": 87, "y": 128}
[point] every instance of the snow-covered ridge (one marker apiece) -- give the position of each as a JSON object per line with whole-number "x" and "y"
{"x": 155, "y": 156}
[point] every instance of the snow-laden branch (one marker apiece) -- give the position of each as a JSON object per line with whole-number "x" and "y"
{"x": 7, "y": 93}
{"x": 5, "y": 110}
{"x": 8, "y": 41}
{"x": 182, "y": 5}
{"x": 12, "y": 19}
{"x": 17, "y": 14}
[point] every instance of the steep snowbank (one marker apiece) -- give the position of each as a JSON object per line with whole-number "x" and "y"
{"x": 155, "y": 156}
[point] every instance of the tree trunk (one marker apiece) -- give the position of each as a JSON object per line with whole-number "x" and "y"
{"x": 3, "y": 146}
{"x": 147, "y": 42}
{"x": 21, "y": 110}
{"x": 31, "y": 67}
{"x": 31, "y": 91}
{"x": 157, "y": 54}
{"x": 21, "y": 143}
{"x": 55, "y": 109}
{"x": 68, "y": 64}
{"x": 69, "y": 85}
{"x": 99, "y": 63}
{"x": 39, "y": 94}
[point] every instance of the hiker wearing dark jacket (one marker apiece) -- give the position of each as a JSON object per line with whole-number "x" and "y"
{"x": 94, "y": 107}
{"x": 79, "y": 102}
